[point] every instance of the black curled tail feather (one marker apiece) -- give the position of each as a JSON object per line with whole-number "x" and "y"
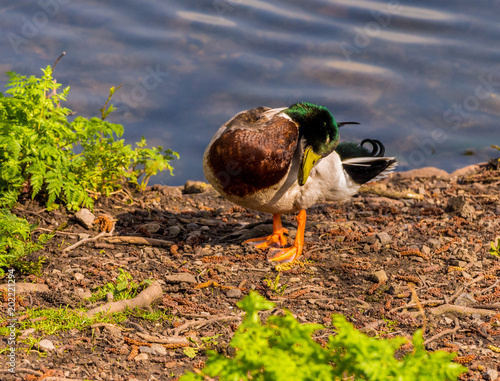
{"x": 364, "y": 165}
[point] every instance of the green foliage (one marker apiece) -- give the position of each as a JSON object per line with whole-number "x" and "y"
{"x": 275, "y": 286}
{"x": 123, "y": 288}
{"x": 282, "y": 349}
{"x": 206, "y": 343}
{"x": 41, "y": 152}
{"x": 16, "y": 241}
{"x": 495, "y": 249}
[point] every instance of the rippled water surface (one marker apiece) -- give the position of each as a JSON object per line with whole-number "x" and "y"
{"x": 421, "y": 76}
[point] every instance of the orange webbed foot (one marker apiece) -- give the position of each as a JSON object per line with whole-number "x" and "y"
{"x": 290, "y": 254}
{"x": 276, "y": 239}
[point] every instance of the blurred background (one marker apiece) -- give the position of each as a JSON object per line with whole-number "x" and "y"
{"x": 421, "y": 76}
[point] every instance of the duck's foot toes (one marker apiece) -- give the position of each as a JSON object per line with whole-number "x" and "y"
{"x": 277, "y": 239}
{"x": 288, "y": 254}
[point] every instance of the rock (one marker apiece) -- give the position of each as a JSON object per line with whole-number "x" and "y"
{"x": 192, "y": 226}
{"x": 158, "y": 350}
{"x": 151, "y": 228}
{"x": 145, "y": 349}
{"x": 83, "y": 294}
{"x": 466, "y": 170}
{"x": 465, "y": 300}
{"x": 85, "y": 218}
{"x": 79, "y": 276}
{"x": 141, "y": 357}
{"x": 46, "y": 345}
{"x": 195, "y": 187}
{"x": 167, "y": 190}
{"x": 174, "y": 231}
{"x": 234, "y": 293}
{"x": 459, "y": 205}
{"x": 180, "y": 277}
{"x": 384, "y": 238}
{"x": 26, "y": 333}
{"x": 380, "y": 276}
{"x": 421, "y": 172}
{"x": 490, "y": 375}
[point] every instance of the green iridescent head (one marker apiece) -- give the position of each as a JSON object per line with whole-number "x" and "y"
{"x": 318, "y": 128}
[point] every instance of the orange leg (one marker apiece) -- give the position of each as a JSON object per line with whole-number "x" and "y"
{"x": 292, "y": 253}
{"x": 278, "y": 236}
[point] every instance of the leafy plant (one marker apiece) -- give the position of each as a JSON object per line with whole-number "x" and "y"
{"x": 275, "y": 286}
{"x": 282, "y": 349}
{"x": 16, "y": 241}
{"x": 123, "y": 288}
{"x": 206, "y": 343}
{"x": 41, "y": 152}
{"x": 495, "y": 249}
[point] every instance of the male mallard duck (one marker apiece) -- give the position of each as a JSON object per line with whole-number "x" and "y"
{"x": 285, "y": 160}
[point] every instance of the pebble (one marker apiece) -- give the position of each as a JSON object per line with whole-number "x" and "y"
{"x": 191, "y": 187}
{"x": 384, "y": 238}
{"x": 79, "y": 276}
{"x": 234, "y": 293}
{"x": 381, "y": 276}
{"x": 180, "y": 277}
{"x": 158, "y": 350}
{"x": 174, "y": 231}
{"x": 141, "y": 357}
{"x": 490, "y": 375}
{"x": 85, "y": 218}
{"x": 152, "y": 227}
{"x": 83, "y": 294}
{"x": 46, "y": 345}
{"x": 192, "y": 226}
{"x": 465, "y": 299}
{"x": 145, "y": 349}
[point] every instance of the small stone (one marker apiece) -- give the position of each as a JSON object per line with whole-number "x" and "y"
{"x": 46, "y": 345}
{"x": 174, "y": 231}
{"x": 83, "y": 236}
{"x": 145, "y": 349}
{"x": 83, "y": 294}
{"x": 158, "y": 350}
{"x": 426, "y": 250}
{"x": 78, "y": 276}
{"x": 141, "y": 357}
{"x": 380, "y": 276}
{"x": 490, "y": 375}
{"x": 26, "y": 333}
{"x": 85, "y": 218}
{"x": 434, "y": 242}
{"x": 195, "y": 187}
{"x": 152, "y": 227}
{"x": 180, "y": 277}
{"x": 384, "y": 238}
{"x": 234, "y": 293}
{"x": 465, "y": 300}
{"x": 192, "y": 226}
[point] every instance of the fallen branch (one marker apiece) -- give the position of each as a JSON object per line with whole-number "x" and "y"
{"x": 82, "y": 241}
{"x": 201, "y": 323}
{"x": 25, "y": 287}
{"x": 367, "y": 189}
{"x": 442, "y": 309}
{"x": 23, "y": 370}
{"x": 139, "y": 241}
{"x": 163, "y": 340}
{"x": 144, "y": 299}
{"x": 443, "y": 333}
{"x": 409, "y": 305}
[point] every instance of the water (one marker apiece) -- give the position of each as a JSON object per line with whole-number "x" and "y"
{"x": 421, "y": 76}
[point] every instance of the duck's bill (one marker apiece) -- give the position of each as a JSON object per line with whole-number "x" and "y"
{"x": 308, "y": 160}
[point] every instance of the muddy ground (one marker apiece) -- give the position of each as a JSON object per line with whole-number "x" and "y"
{"x": 362, "y": 257}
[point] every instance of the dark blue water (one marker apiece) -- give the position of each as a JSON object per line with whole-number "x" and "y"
{"x": 422, "y": 76}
